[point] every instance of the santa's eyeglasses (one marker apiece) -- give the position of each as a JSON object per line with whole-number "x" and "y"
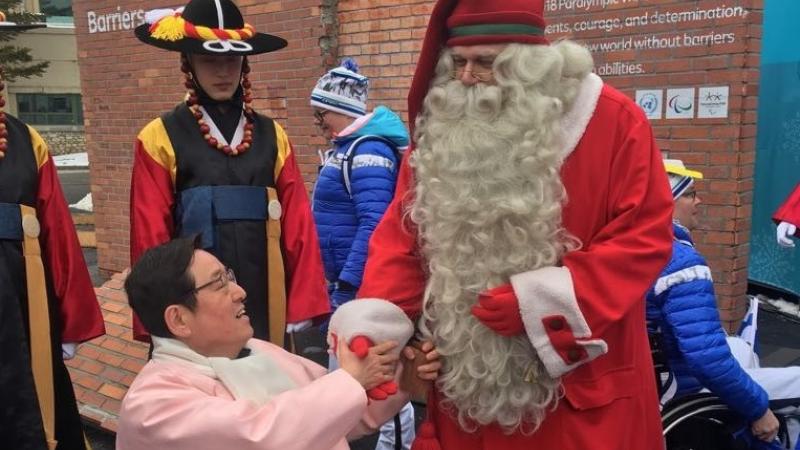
{"x": 481, "y": 69}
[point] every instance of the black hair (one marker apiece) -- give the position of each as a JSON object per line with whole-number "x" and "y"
{"x": 161, "y": 278}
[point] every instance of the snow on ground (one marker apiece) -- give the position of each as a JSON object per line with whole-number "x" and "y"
{"x": 785, "y": 307}
{"x": 84, "y": 204}
{"x": 72, "y": 160}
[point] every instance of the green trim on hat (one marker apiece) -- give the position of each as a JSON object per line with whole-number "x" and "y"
{"x": 495, "y": 28}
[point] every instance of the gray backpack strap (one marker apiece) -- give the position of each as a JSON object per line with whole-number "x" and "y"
{"x": 347, "y": 158}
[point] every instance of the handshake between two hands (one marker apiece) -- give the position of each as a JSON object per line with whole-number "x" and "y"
{"x": 369, "y": 338}
{"x": 376, "y": 367}
{"x": 372, "y": 329}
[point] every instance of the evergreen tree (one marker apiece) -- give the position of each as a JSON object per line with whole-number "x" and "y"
{"x": 16, "y": 61}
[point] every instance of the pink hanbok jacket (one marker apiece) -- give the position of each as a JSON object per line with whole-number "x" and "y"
{"x": 171, "y": 406}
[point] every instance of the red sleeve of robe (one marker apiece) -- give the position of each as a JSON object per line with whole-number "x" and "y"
{"x": 306, "y": 295}
{"x": 81, "y": 319}
{"x": 151, "y": 211}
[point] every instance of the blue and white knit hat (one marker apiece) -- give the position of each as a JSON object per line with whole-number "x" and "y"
{"x": 680, "y": 178}
{"x": 342, "y": 90}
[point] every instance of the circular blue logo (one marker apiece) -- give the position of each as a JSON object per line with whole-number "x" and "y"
{"x": 649, "y": 103}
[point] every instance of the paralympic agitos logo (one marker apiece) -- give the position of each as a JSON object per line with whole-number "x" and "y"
{"x": 679, "y": 103}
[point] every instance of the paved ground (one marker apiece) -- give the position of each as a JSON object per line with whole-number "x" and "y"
{"x": 99, "y": 439}
{"x": 74, "y": 182}
{"x": 90, "y": 255}
{"x": 778, "y": 338}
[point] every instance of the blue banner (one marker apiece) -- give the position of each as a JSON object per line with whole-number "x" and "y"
{"x": 777, "y": 168}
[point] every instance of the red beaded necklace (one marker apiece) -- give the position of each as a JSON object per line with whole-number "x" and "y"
{"x": 3, "y": 129}
{"x": 193, "y": 103}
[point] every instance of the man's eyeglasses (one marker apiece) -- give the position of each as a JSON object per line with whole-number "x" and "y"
{"x": 222, "y": 280}
{"x": 319, "y": 115}
{"x": 690, "y": 195}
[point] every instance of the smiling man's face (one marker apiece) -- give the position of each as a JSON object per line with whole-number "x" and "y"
{"x": 218, "y": 324}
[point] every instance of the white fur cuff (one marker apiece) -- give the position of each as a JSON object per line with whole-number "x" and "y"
{"x": 553, "y": 321}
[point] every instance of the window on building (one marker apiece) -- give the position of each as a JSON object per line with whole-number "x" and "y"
{"x": 58, "y": 12}
{"x": 50, "y": 109}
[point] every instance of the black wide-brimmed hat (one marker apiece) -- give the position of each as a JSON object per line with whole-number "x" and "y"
{"x": 12, "y": 26}
{"x": 211, "y": 27}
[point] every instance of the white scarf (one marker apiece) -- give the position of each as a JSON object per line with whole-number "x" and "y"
{"x": 255, "y": 378}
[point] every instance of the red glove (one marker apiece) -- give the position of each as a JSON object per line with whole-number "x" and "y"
{"x": 498, "y": 309}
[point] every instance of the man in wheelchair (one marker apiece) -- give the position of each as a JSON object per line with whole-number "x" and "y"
{"x": 682, "y": 315}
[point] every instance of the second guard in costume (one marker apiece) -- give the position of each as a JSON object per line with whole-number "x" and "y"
{"x": 47, "y": 302}
{"x": 216, "y": 167}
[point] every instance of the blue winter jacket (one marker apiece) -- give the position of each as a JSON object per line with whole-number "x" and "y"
{"x": 683, "y": 306}
{"x": 345, "y": 224}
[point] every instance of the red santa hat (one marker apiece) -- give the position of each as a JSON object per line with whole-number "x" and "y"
{"x": 473, "y": 22}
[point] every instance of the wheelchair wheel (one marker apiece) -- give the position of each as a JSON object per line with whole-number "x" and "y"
{"x": 700, "y": 422}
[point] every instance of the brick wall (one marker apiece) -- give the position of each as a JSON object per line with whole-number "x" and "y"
{"x": 385, "y": 37}
{"x": 125, "y": 84}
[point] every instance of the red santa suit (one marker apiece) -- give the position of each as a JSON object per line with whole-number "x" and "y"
{"x": 585, "y": 319}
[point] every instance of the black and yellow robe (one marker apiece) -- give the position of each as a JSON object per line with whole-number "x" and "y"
{"x": 41, "y": 305}
{"x": 269, "y": 241}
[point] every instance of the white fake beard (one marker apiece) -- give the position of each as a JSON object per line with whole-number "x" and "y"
{"x": 488, "y": 202}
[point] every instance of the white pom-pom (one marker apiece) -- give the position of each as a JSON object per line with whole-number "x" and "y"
{"x": 153, "y": 16}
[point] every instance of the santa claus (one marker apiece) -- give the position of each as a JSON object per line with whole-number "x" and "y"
{"x": 529, "y": 221}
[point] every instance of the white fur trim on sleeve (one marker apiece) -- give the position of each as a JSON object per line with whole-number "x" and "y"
{"x": 549, "y": 292}
{"x": 575, "y": 121}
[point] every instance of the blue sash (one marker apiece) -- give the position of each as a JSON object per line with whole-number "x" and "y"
{"x": 200, "y": 208}
{"x": 10, "y": 222}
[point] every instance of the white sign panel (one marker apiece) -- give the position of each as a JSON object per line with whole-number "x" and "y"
{"x": 651, "y": 101}
{"x": 680, "y": 103}
{"x": 712, "y": 102}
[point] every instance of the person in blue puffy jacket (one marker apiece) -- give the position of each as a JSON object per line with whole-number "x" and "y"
{"x": 357, "y": 178}
{"x": 355, "y": 186}
{"x": 682, "y": 309}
